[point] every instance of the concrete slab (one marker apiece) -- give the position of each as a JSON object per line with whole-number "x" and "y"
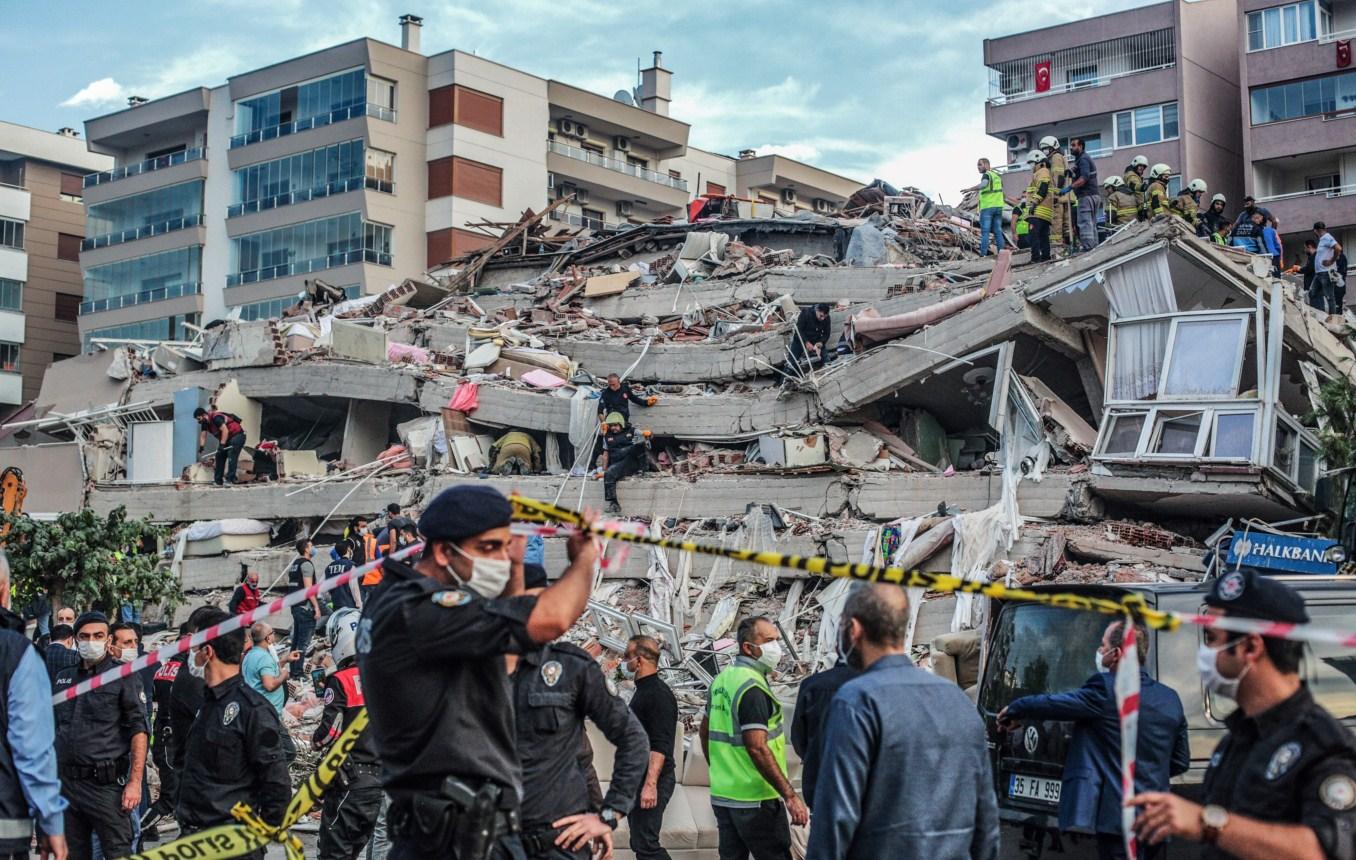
{"x": 673, "y": 301}
{"x": 737, "y": 357}
{"x": 241, "y": 344}
{"x": 306, "y": 379}
{"x": 79, "y": 383}
{"x": 888, "y": 496}
{"x": 358, "y": 342}
{"x": 864, "y": 285}
{"x": 169, "y": 503}
{"x": 53, "y": 473}
{"x": 1198, "y": 499}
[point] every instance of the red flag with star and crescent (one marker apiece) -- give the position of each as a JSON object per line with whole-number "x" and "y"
{"x": 1043, "y": 77}
{"x": 1344, "y": 53}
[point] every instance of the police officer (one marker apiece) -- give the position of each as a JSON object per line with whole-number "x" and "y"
{"x": 351, "y": 805}
{"x": 162, "y": 738}
{"x": 101, "y": 747}
{"x": 616, "y": 397}
{"x": 430, "y": 650}
{"x": 625, "y": 455}
{"x": 554, "y": 688}
{"x": 234, "y": 752}
{"x": 1282, "y": 783}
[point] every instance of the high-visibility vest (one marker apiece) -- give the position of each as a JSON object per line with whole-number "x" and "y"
{"x": 992, "y": 198}
{"x": 733, "y": 774}
{"x": 1184, "y": 205}
{"x": 1135, "y": 184}
{"x": 1044, "y": 206}
{"x": 1122, "y": 207}
{"x": 1022, "y": 228}
{"x": 1157, "y": 197}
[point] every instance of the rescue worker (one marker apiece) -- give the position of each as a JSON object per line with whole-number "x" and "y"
{"x": 616, "y": 397}
{"x": 431, "y": 648}
{"x": 1187, "y": 204}
{"x": 1040, "y": 201}
{"x": 1134, "y": 179}
{"x": 101, "y": 747}
{"x": 1282, "y": 783}
{"x": 1061, "y": 224}
{"x": 1156, "y": 199}
{"x": 742, "y": 734}
{"x": 809, "y": 345}
{"x": 625, "y": 455}
{"x": 1214, "y": 223}
{"x": 162, "y": 739}
{"x": 300, "y": 576}
{"x": 234, "y": 752}
{"x": 350, "y": 810}
{"x": 554, "y": 688}
{"x": 1121, "y": 206}
{"x": 515, "y": 453}
{"x": 246, "y": 597}
{"x": 364, "y": 542}
{"x": 347, "y": 596}
{"x": 991, "y": 201}
{"x": 230, "y": 435}
{"x": 1020, "y": 228}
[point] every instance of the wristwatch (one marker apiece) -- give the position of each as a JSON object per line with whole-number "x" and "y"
{"x": 610, "y": 817}
{"x": 1213, "y": 820}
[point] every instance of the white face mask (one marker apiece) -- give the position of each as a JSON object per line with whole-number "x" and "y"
{"x": 771, "y": 656}
{"x": 1101, "y": 666}
{"x": 489, "y": 576}
{"x": 1211, "y": 678}
{"x": 627, "y": 670}
{"x": 91, "y": 652}
{"x": 194, "y": 668}
{"x": 126, "y": 655}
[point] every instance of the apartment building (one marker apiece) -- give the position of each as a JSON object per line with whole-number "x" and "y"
{"x": 1159, "y": 81}
{"x": 1299, "y": 109}
{"x": 42, "y": 222}
{"x": 363, "y": 164}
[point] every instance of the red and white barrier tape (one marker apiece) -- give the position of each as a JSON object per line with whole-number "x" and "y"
{"x": 1127, "y": 703}
{"x": 604, "y": 562}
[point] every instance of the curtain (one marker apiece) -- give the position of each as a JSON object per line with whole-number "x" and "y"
{"x": 1140, "y": 287}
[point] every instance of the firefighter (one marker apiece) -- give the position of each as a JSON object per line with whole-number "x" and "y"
{"x": 1187, "y": 205}
{"x": 1061, "y": 224}
{"x": 1121, "y": 205}
{"x": 1156, "y": 197}
{"x": 1134, "y": 179}
{"x": 1039, "y": 201}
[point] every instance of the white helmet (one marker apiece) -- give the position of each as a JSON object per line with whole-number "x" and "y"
{"x": 1049, "y": 142}
{"x": 1197, "y": 186}
{"x": 1035, "y": 156}
{"x": 1139, "y": 161}
{"x": 342, "y": 631}
{"x": 1219, "y": 198}
{"x": 1160, "y": 170}
{"x": 1114, "y": 182}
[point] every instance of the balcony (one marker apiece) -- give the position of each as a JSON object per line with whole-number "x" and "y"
{"x": 1298, "y": 210}
{"x": 342, "y": 114}
{"x": 574, "y": 220}
{"x": 143, "y": 232}
{"x": 147, "y": 166}
{"x": 264, "y": 204}
{"x": 15, "y": 203}
{"x": 305, "y": 267}
{"x": 613, "y": 164}
{"x": 159, "y": 294}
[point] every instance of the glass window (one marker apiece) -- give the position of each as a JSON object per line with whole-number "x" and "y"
{"x": 297, "y": 178}
{"x": 315, "y": 103}
{"x": 1204, "y": 358}
{"x": 1233, "y": 435}
{"x": 1283, "y": 457}
{"x": 1282, "y": 25}
{"x": 1169, "y": 121}
{"x": 1038, "y": 650}
{"x": 165, "y": 328}
{"x": 1307, "y": 477}
{"x": 12, "y": 233}
{"x": 9, "y": 357}
{"x": 1271, "y": 27}
{"x": 140, "y": 215}
{"x": 176, "y": 272}
{"x": 381, "y": 92}
{"x": 1125, "y": 132}
{"x": 11, "y": 295}
{"x": 1254, "y": 31}
{"x": 1083, "y": 76}
{"x": 1290, "y": 23}
{"x": 308, "y": 247}
{"x": 1148, "y": 125}
{"x": 1331, "y": 669}
{"x": 1176, "y": 433}
{"x": 1304, "y": 98}
{"x": 1122, "y": 436}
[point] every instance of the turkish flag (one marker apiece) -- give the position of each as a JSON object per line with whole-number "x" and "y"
{"x": 1043, "y": 76}
{"x": 1343, "y": 53}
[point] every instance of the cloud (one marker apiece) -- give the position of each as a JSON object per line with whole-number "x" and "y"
{"x": 104, "y": 91}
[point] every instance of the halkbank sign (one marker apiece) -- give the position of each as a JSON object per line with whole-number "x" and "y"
{"x": 1285, "y": 553}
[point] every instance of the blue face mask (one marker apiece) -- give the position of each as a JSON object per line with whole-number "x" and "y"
{"x": 628, "y": 671}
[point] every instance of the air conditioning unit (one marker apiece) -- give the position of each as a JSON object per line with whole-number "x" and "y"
{"x": 1019, "y": 141}
{"x": 788, "y": 195}
{"x": 822, "y": 205}
{"x": 624, "y": 208}
{"x": 567, "y": 189}
{"x": 570, "y": 128}
{"x": 621, "y": 143}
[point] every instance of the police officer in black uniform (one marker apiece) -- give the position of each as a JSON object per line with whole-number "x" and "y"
{"x": 1282, "y": 783}
{"x": 616, "y": 397}
{"x": 162, "y": 738}
{"x": 554, "y": 688}
{"x": 431, "y": 649}
{"x": 234, "y": 752}
{"x": 352, "y": 804}
{"x": 101, "y": 747}
{"x": 185, "y": 698}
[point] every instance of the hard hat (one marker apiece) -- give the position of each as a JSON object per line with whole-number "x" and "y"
{"x": 1139, "y": 161}
{"x": 1049, "y": 142}
{"x": 615, "y": 418}
{"x": 342, "y": 631}
{"x": 1035, "y": 156}
{"x": 1196, "y": 185}
{"x": 1219, "y": 198}
{"x": 1158, "y": 170}
{"x": 1114, "y": 181}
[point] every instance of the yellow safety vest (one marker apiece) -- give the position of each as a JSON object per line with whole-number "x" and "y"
{"x": 1157, "y": 197}
{"x": 1044, "y": 206}
{"x": 992, "y": 197}
{"x": 734, "y": 778}
{"x": 1135, "y": 185}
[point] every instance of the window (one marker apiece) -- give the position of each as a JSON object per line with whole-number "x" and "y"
{"x": 380, "y": 170}
{"x": 311, "y": 175}
{"x": 1205, "y": 357}
{"x": 310, "y": 105}
{"x": 68, "y": 247}
{"x": 11, "y": 295}
{"x": 1122, "y": 436}
{"x": 674, "y": 174}
{"x": 12, "y": 234}
{"x": 9, "y": 357}
{"x": 1146, "y": 125}
{"x": 1283, "y": 25}
{"x": 308, "y": 247}
{"x": 72, "y": 187}
{"x": 637, "y": 162}
{"x": 1038, "y": 650}
{"x": 165, "y": 328}
{"x": 154, "y": 277}
{"x": 152, "y": 213}
{"x": 67, "y": 307}
{"x": 1176, "y": 433}
{"x": 1295, "y": 99}
{"x": 381, "y": 92}
{"x": 166, "y": 151}
{"x": 1233, "y": 435}
{"x": 1283, "y": 455}
{"x": 715, "y": 189}
{"x": 1320, "y": 183}
{"x": 1083, "y": 76}
{"x": 1331, "y": 669}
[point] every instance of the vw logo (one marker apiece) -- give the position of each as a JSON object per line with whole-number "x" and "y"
{"x": 1031, "y": 739}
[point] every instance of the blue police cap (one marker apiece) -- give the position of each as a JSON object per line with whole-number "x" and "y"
{"x": 91, "y": 617}
{"x": 464, "y": 511}
{"x": 1248, "y": 594}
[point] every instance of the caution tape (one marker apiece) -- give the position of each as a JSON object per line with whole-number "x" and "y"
{"x": 252, "y": 833}
{"x": 230, "y": 625}
{"x": 534, "y": 510}
{"x": 607, "y": 563}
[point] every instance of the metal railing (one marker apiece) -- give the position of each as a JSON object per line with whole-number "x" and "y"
{"x": 613, "y": 164}
{"x": 263, "y": 204}
{"x": 143, "y": 232}
{"x": 1330, "y": 193}
{"x": 159, "y": 294}
{"x": 303, "y": 267}
{"x": 1018, "y": 166}
{"x": 147, "y": 166}
{"x": 310, "y": 122}
{"x": 1084, "y": 66}
{"x": 582, "y": 221}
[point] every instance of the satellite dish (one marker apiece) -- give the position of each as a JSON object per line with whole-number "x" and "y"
{"x": 623, "y": 96}
{"x": 978, "y": 376}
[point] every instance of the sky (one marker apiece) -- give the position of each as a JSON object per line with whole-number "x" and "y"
{"x": 868, "y": 88}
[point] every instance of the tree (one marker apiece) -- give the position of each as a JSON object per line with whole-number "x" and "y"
{"x": 1336, "y": 416}
{"x": 84, "y": 560}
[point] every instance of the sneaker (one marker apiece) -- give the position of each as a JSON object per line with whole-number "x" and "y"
{"x": 613, "y": 508}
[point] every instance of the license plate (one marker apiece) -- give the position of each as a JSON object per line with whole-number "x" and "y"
{"x": 1033, "y": 788}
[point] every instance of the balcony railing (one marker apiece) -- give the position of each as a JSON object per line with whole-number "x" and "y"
{"x": 1083, "y": 67}
{"x": 581, "y": 221}
{"x": 1018, "y": 166}
{"x": 150, "y": 164}
{"x": 263, "y": 204}
{"x": 310, "y": 122}
{"x": 303, "y": 267}
{"x": 143, "y": 232}
{"x": 1330, "y": 193}
{"x": 159, "y": 294}
{"x": 613, "y": 164}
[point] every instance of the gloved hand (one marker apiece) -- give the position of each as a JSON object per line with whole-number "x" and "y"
{"x": 651, "y": 400}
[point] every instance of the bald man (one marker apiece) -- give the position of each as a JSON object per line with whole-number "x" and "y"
{"x": 886, "y": 726}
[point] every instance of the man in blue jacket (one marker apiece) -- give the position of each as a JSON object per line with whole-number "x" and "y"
{"x": 1090, "y": 799}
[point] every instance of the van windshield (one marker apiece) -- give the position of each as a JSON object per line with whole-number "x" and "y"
{"x": 1040, "y": 649}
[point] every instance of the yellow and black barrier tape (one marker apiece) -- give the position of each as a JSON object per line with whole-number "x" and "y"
{"x": 235, "y": 840}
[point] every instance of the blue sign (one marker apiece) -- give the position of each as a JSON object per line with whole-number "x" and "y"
{"x": 1285, "y": 553}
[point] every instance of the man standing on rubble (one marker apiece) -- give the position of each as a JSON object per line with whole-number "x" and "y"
{"x": 625, "y": 455}
{"x": 618, "y": 398}
{"x": 300, "y": 576}
{"x": 1061, "y": 230}
{"x": 1134, "y": 178}
{"x": 743, "y": 737}
{"x": 1085, "y": 189}
{"x": 809, "y": 345}
{"x": 990, "y": 188}
{"x": 230, "y": 436}
{"x": 1040, "y": 202}
{"x": 657, "y": 709}
{"x": 431, "y": 648}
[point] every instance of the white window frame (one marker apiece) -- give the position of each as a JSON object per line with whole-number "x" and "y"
{"x": 1243, "y": 318}
{"x": 1149, "y": 435}
{"x": 1116, "y": 126}
{"x": 1214, "y": 433}
{"x": 1155, "y": 436}
{"x": 1112, "y": 416}
{"x": 1249, "y": 318}
{"x": 1281, "y": 42}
